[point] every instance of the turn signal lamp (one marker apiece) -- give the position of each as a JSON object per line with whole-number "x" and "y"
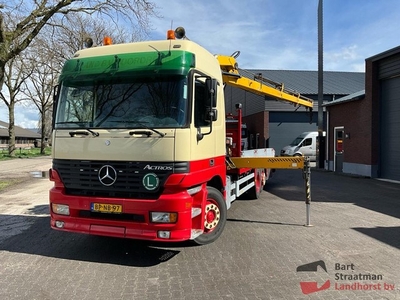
{"x": 107, "y": 41}
{"x": 170, "y": 34}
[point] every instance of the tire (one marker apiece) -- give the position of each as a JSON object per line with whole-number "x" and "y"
{"x": 214, "y": 217}
{"x": 255, "y": 191}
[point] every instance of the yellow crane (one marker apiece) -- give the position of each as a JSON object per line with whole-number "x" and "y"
{"x": 258, "y": 85}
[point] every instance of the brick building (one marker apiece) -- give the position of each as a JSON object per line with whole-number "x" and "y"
{"x": 274, "y": 123}
{"x": 23, "y": 137}
{"x": 363, "y": 135}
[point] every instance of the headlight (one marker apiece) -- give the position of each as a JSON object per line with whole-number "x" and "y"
{"x": 60, "y": 209}
{"x": 163, "y": 217}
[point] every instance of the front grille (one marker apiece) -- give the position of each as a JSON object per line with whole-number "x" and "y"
{"x": 81, "y": 177}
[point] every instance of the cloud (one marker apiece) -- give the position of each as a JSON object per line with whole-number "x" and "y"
{"x": 25, "y": 116}
{"x": 283, "y": 34}
{"x": 333, "y": 59}
{"x": 274, "y": 34}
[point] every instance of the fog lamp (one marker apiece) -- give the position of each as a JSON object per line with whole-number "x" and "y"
{"x": 60, "y": 224}
{"x": 164, "y": 234}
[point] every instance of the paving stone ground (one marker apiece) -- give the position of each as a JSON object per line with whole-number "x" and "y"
{"x": 356, "y": 226}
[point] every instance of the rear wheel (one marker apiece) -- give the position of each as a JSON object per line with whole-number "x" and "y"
{"x": 259, "y": 181}
{"x": 214, "y": 217}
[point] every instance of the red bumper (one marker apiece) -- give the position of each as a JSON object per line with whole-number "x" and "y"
{"x": 140, "y": 227}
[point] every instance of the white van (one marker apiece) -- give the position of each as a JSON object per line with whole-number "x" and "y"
{"x": 304, "y": 145}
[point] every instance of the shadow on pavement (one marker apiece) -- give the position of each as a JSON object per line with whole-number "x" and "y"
{"x": 65, "y": 245}
{"x": 388, "y": 235}
{"x": 262, "y": 222}
{"x": 376, "y": 195}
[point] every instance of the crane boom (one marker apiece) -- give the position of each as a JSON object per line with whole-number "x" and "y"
{"x": 259, "y": 85}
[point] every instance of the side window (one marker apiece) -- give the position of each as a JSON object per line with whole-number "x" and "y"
{"x": 307, "y": 142}
{"x": 78, "y": 106}
{"x": 200, "y": 108}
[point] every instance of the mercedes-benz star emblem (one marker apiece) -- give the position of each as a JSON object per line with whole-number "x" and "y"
{"x": 107, "y": 175}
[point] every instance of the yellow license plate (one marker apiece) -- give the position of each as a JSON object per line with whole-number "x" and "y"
{"x": 106, "y": 208}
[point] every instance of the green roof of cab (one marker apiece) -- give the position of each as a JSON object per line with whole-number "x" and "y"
{"x": 171, "y": 62}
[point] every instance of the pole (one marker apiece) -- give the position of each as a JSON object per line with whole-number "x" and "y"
{"x": 307, "y": 180}
{"x": 320, "y": 158}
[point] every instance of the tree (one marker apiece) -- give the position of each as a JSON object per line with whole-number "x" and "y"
{"x": 43, "y": 72}
{"x": 21, "y": 22}
{"x": 14, "y": 78}
{"x": 65, "y": 40}
{"x": 31, "y": 21}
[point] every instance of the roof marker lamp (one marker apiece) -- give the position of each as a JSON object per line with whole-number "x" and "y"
{"x": 107, "y": 41}
{"x": 170, "y": 34}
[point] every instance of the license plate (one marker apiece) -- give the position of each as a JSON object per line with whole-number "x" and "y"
{"x": 106, "y": 208}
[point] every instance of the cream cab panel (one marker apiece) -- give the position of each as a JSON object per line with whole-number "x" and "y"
{"x": 115, "y": 145}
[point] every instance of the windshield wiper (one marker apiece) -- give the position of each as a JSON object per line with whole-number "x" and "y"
{"x": 81, "y": 132}
{"x": 148, "y": 133}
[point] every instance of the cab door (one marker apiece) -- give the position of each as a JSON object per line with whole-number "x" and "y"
{"x": 307, "y": 147}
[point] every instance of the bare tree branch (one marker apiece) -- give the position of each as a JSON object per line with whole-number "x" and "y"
{"x": 21, "y": 21}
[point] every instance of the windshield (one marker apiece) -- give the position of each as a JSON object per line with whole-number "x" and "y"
{"x": 297, "y": 141}
{"x": 123, "y": 102}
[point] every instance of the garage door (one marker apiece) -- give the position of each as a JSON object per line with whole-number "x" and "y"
{"x": 282, "y": 134}
{"x": 390, "y": 129}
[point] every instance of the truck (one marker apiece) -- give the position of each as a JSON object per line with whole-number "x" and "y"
{"x": 140, "y": 144}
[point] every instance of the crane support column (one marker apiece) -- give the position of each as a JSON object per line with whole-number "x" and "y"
{"x": 307, "y": 181}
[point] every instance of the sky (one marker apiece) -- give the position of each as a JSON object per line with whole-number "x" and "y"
{"x": 276, "y": 34}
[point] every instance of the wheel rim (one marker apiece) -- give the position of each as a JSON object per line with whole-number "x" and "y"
{"x": 212, "y": 216}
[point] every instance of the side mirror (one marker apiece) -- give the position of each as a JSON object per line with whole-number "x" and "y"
{"x": 212, "y": 115}
{"x": 211, "y": 84}
{"x": 56, "y": 93}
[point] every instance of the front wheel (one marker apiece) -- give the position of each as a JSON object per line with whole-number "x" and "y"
{"x": 214, "y": 217}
